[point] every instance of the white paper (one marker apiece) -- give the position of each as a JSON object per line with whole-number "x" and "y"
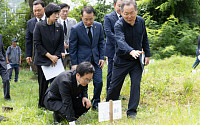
{"x": 51, "y": 72}
{"x": 8, "y": 66}
{"x": 72, "y": 123}
{"x": 104, "y": 108}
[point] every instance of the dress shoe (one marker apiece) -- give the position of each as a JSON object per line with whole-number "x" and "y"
{"x": 94, "y": 108}
{"x": 2, "y": 118}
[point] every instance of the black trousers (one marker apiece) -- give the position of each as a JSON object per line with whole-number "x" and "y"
{"x": 78, "y": 108}
{"x": 121, "y": 68}
{"x": 5, "y": 80}
{"x": 43, "y": 85}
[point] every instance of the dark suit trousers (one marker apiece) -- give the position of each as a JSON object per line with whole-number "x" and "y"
{"x": 6, "y": 83}
{"x": 43, "y": 85}
{"x": 109, "y": 74}
{"x": 121, "y": 68}
{"x": 98, "y": 83}
{"x": 78, "y": 107}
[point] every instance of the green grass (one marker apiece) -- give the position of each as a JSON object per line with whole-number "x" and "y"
{"x": 169, "y": 95}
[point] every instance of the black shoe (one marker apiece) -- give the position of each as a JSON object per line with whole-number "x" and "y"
{"x": 2, "y": 118}
{"x": 133, "y": 116}
{"x": 94, "y": 108}
{"x": 7, "y": 99}
{"x": 56, "y": 118}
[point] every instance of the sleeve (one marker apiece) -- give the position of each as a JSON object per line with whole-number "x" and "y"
{"x": 145, "y": 42}
{"x": 60, "y": 48}
{"x": 8, "y": 51}
{"x": 120, "y": 38}
{"x": 20, "y": 51}
{"x": 37, "y": 38}
{"x": 101, "y": 43}
{"x": 73, "y": 47}
{"x": 64, "y": 90}
{"x": 84, "y": 93}
{"x": 108, "y": 30}
{"x": 28, "y": 42}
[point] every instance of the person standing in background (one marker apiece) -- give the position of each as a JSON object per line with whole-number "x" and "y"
{"x": 48, "y": 40}
{"x": 38, "y": 11}
{"x": 3, "y": 71}
{"x": 196, "y": 63}
{"x": 86, "y": 43}
{"x": 109, "y": 22}
{"x": 67, "y": 23}
{"x": 13, "y": 57}
{"x": 132, "y": 41}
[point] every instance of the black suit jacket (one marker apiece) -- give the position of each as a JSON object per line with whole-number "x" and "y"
{"x": 2, "y": 54}
{"x": 63, "y": 89}
{"x": 47, "y": 41}
{"x": 109, "y": 22}
{"x": 29, "y": 37}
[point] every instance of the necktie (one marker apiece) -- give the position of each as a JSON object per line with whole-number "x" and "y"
{"x": 120, "y": 16}
{"x": 40, "y": 19}
{"x": 65, "y": 28}
{"x": 90, "y": 34}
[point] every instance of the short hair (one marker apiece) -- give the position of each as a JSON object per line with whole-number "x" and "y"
{"x": 51, "y": 8}
{"x": 38, "y": 2}
{"x": 88, "y": 10}
{"x": 63, "y": 5}
{"x": 85, "y": 68}
{"x": 128, "y": 2}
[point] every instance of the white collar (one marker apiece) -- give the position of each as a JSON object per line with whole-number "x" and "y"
{"x": 43, "y": 18}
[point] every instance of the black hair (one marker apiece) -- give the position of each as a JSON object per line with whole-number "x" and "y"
{"x": 38, "y": 2}
{"x": 85, "y": 68}
{"x": 88, "y": 10}
{"x": 128, "y": 2}
{"x": 51, "y": 8}
{"x": 63, "y": 5}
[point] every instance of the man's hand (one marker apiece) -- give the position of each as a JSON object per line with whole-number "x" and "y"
{"x": 66, "y": 46}
{"x": 147, "y": 60}
{"x": 63, "y": 55}
{"x": 29, "y": 60}
{"x": 86, "y": 102}
{"x": 74, "y": 66}
{"x": 135, "y": 53}
{"x": 101, "y": 63}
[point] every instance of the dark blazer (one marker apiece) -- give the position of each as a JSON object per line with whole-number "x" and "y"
{"x": 109, "y": 22}
{"x": 2, "y": 54}
{"x": 80, "y": 47}
{"x": 47, "y": 41}
{"x": 29, "y": 37}
{"x": 63, "y": 89}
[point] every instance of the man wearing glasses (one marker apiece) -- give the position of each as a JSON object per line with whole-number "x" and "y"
{"x": 67, "y": 95}
{"x": 132, "y": 41}
{"x": 67, "y": 23}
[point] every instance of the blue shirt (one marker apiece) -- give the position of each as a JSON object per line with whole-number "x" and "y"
{"x": 13, "y": 54}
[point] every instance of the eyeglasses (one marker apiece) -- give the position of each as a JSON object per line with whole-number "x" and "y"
{"x": 131, "y": 13}
{"x": 87, "y": 80}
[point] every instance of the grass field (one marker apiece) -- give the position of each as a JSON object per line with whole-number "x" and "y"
{"x": 169, "y": 95}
